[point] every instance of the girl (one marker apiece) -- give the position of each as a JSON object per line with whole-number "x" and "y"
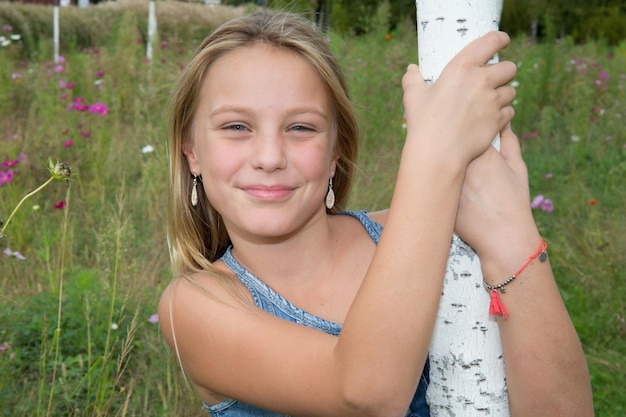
{"x": 285, "y": 304}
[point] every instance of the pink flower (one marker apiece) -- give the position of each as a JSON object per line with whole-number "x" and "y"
{"x": 547, "y": 206}
{"x": 6, "y": 177}
{"x": 58, "y": 68}
{"x": 604, "y": 75}
{"x": 15, "y": 76}
{"x": 64, "y": 96}
{"x": 99, "y": 108}
{"x": 68, "y": 143}
{"x": 85, "y": 133}
{"x": 154, "y": 318}
{"x": 60, "y": 205}
{"x": 100, "y": 74}
{"x": 537, "y": 201}
{"x": 543, "y": 203}
{"x": 548, "y": 175}
{"x": 61, "y": 59}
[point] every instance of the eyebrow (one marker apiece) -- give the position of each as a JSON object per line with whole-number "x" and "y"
{"x": 245, "y": 110}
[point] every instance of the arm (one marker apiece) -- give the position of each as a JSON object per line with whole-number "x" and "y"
{"x": 374, "y": 366}
{"x": 545, "y": 365}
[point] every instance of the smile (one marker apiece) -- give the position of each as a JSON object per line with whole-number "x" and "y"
{"x": 268, "y": 193}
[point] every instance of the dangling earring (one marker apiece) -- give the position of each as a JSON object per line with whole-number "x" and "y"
{"x": 194, "y": 192}
{"x": 330, "y": 196}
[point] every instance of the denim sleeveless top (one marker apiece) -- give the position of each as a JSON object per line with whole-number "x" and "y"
{"x": 272, "y": 302}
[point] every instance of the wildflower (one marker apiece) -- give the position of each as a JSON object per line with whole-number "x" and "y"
{"x": 154, "y": 318}
{"x": 4, "y": 348}
{"x": 36, "y": 207}
{"x": 515, "y": 84}
{"x": 388, "y": 37}
{"x": 6, "y": 177}
{"x": 100, "y": 73}
{"x": 537, "y": 201}
{"x": 114, "y": 326}
{"x": 99, "y": 108}
{"x": 575, "y": 138}
{"x": 15, "y": 37}
{"x": 7, "y": 28}
{"x": 60, "y": 170}
{"x": 593, "y": 202}
{"x": 547, "y": 206}
{"x": 15, "y": 76}
{"x": 60, "y": 205}
{"x": 61, "y": 59}
{"x": 147, "y": 149}
{"x": 58, "y": 68}
{"x": 78, "y": 105}
{"x": 84, "y": 133}
{"x": 4, "y": 42}
{"x": 604, "y": 75}
{"x": 68, "y": 143}
{"x": 548, "y": 175}
{"x": 543, "y": 203}
{"x": 17, "y": 255}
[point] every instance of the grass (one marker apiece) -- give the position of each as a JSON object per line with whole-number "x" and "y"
{"x": 76, "y": 331}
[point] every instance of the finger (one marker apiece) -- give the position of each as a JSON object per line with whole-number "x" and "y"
{"x": 501, "y": 73}
{"x": 509, "y": 144}
{"x": 413, "y": 78}
{"x": 482, "y": 49}
{"x": 506, "y": 95}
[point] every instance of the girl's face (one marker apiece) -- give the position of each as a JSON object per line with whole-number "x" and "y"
{"x": 263, "y": 141}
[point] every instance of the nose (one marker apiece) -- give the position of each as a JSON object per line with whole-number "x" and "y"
{"x": 269, "y": 153}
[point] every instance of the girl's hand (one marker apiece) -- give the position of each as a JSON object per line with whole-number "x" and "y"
{"x": 457, "y": 117}
{"x": 494, "y": 214}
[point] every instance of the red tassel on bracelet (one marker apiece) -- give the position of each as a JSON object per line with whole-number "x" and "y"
{"x": 496, "y": 308}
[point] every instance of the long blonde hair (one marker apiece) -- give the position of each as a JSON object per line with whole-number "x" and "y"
{"x": 197, "y": 235}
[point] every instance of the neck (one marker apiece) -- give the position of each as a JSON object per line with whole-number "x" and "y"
{"x": 292, "y": 258}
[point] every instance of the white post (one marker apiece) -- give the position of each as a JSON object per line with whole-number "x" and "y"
{"x": 466, "y": 357}
{"x": 152, "y": 27}
{"x": 55, "y": 30}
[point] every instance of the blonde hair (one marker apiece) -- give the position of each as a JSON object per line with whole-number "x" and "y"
{"x": 197, "y": 235}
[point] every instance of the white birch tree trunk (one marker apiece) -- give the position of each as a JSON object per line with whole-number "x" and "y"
{"x": 152, "y": 28}
{"x": 55, "y": 30}
{"x": 466, "y": 358}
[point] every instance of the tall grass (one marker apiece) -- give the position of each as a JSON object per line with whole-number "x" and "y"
{"x": 77, "y": 332}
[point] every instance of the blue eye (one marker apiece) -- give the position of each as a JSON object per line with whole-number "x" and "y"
{"x": 236, "y": 127}
{"x": 301, "y": 128}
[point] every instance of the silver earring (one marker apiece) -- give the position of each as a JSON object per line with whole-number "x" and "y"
{"x": 330, "y": 196}
{"x": 194, "y": 192}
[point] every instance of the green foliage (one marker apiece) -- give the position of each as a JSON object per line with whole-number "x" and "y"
{"x": 104, "y": 256}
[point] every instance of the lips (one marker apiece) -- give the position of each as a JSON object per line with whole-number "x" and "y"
{"x": 268, "y": 192}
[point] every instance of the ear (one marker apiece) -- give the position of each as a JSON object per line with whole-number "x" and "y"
{"x": 192, "y": 161}
{"x": 333, "y": 166}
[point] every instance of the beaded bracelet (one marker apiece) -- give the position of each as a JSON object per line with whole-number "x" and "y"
{"x": 496, "y": 308}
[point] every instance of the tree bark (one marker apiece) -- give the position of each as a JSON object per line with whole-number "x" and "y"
{"x": 466, "y": 357}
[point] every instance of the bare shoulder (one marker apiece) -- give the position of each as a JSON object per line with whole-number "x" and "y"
{"x": 379, "y": 216}
{"x": 195, "y": 294}
{"x": 226, "y": 346}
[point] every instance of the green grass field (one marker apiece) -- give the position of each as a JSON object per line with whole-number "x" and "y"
{"x": 83, "y": 263}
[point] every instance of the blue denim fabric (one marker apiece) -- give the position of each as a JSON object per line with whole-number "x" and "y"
{"x": 265, "y": 298}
